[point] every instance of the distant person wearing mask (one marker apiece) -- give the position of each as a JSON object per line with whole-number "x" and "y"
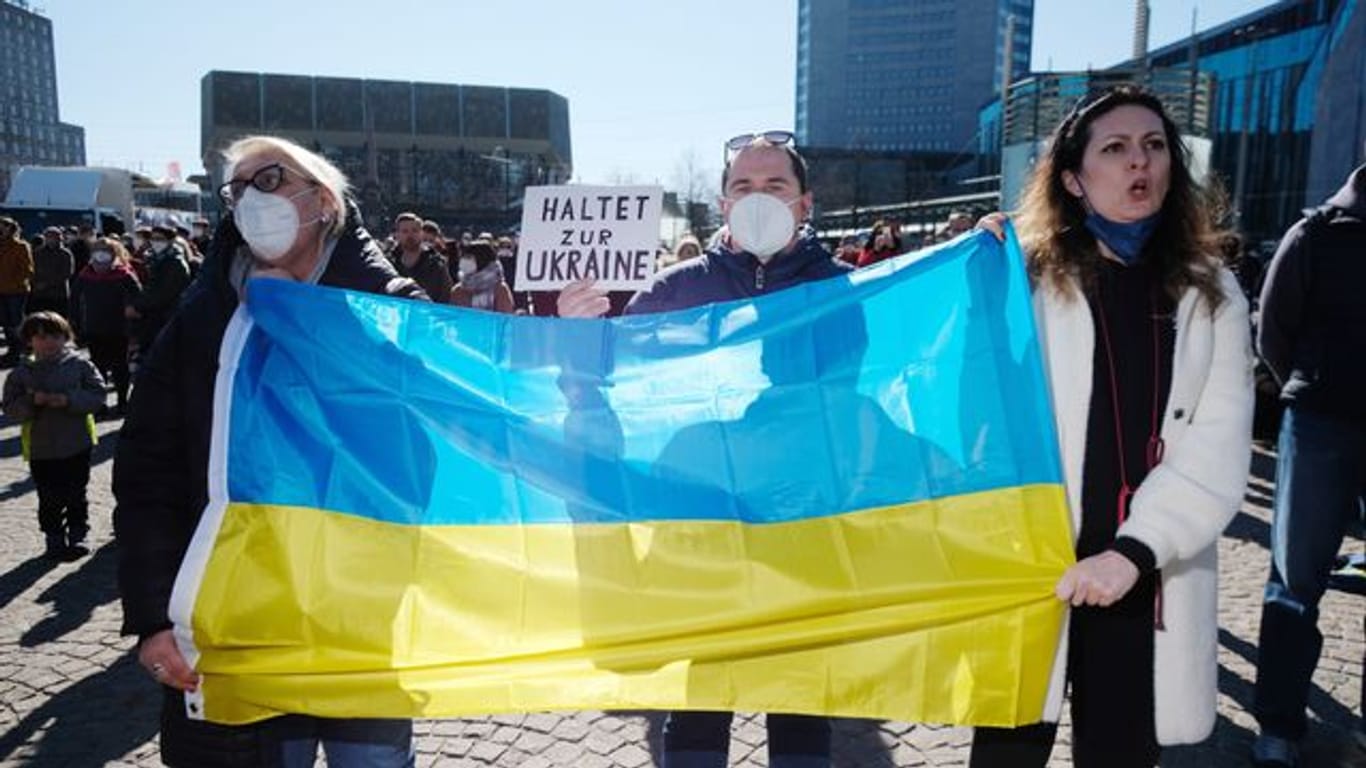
{"x": 481, "y": 283}
{"x": 105, "y": 289}
{"x": 168, "y": 274}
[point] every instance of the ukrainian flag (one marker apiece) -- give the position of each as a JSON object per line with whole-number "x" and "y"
{"x": 840, "y": 499}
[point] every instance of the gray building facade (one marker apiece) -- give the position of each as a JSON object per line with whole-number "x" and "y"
{"x": 31, "y": 133}
{"x": 903, "y": 75}
{"x": 459, "y": 154}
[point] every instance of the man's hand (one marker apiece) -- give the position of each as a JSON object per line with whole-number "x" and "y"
{"x": 41, "y": 398}
{"x": 582, "y": 298}
{"x": 57, "y": 400}
{"x": 159, "y": 655}
{"x": 1098, "y": 580}
{"x": 995, "y": 223}
{"x": 131, "y": 313}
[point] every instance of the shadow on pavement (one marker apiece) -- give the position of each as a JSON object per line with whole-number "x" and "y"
{"x": 22, "y": 576}
{"x": 1245, "y": 527}
{"x": 97, "y": 720}
{"x": 21, "y": 488}
{"x": 75, "y": 597}
{"x": 1329, "y": 710}
{"x": 859, "y": 744}
{"x": 104, "y": 448}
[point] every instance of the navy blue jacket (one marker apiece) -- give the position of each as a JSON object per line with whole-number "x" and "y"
{"x": 1312, "y": 330}
{"x": 725, "y": 275}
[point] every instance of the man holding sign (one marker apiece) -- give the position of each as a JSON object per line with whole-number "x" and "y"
{"x": 765, "y": 199}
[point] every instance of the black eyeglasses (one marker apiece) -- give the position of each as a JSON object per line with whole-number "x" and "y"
{"x": 266, "y": 179}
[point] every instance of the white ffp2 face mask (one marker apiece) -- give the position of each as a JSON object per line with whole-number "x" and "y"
{"x": 762, "y": 224}
{"x": 468, "y": 267}
{"x": 268, "y": 222}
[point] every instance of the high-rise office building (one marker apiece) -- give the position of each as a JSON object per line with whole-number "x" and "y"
{"x": 30, "y": 131}
{"x": 903, "y": 75}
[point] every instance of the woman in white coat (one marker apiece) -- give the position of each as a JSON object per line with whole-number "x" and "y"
{"x": 1149, "y": 362}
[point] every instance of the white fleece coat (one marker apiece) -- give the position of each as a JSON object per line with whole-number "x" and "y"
{"x": 1184, "y": 503}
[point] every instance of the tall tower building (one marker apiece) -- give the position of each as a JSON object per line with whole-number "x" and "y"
{"x": 30, "y": 131}
{"x": 903, "y": 75}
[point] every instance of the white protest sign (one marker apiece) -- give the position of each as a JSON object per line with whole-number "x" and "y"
{"x": 607, "y": 234}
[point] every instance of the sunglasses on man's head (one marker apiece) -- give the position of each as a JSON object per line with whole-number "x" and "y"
{"x": 776, "y": 138}
{"x": 266, "y": 179}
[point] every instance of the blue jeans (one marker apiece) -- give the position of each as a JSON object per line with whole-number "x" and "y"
{"x": 1320, "y": 481}
{"x": 702, "y": 740}
{"x": 348, "y": 743}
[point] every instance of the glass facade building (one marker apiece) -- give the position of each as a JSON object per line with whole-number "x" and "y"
{"x": 1268, "y": 68}
{"x": 31, "y": 132}
{"x": 1279, "y": 97}
{"x": 903, "y": 75}
{"x": 459, "y": 154}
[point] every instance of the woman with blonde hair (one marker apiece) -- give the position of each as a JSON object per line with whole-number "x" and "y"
{"x": 1145, "y": 339}
{"x": 289, "y": 217}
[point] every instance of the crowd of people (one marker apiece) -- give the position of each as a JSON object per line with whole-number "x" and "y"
{"x": 1146, "y": 334}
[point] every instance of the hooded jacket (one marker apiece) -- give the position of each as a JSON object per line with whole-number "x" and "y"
{"x": 55, "y": 433}
{"x": 1312, "y": 331}
{"x": 161, "y": 466}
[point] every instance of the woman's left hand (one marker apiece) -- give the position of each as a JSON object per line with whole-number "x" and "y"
{"x": 1098, "y": 580}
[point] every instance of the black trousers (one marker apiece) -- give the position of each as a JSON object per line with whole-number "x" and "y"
{"x": 59, "y": 304}
{"x": 1110, "y": 670}
{"x": 62, "y": 506}
{"x": 109, "y": 353}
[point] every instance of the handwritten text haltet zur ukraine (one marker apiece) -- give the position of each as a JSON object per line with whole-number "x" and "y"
{"x": 584, "y": 250}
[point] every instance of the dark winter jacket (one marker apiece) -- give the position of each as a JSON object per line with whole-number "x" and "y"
{"x": 430, "y": 271}
{"x": 55, "y": 433}
{"x": 102, "y": 297}
{"x": 161, "y": 467}
{"x": 52, "y": 267}
{"x": 1312, "y": 329}
{"x": 168, "y": 273}
{"x": 726, "y": 275}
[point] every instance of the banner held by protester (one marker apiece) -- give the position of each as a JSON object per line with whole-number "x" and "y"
{"x": 841, "y": 499}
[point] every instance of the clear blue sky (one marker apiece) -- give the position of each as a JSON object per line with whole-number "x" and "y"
{"x": 647, "y": 82}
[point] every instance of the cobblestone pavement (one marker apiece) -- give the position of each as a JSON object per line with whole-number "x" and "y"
{"x": 71, "y": 693}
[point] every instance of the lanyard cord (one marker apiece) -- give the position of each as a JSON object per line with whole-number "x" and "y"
{"x": 1155, "y": 446}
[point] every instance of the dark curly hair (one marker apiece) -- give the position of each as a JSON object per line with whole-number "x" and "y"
{"x": 1051, "y": 219}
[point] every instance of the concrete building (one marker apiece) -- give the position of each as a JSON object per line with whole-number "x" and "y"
{"x": 903, "y": 76}
{"x": 459, "y": 154}
{"x": 31, "y": 133}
